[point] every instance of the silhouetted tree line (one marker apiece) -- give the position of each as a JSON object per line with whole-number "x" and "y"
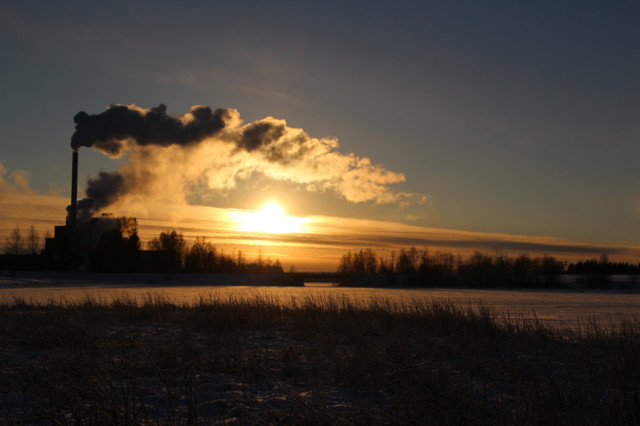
{"x": 442, "y": 268}
{"x": 603, "y": 266}
{"x": 174, "y": 255}
{"x": 483, "y": 270}
{"x": 116, "y": 252}
{"x": 22, "y": 251}
{"x": 596, "y": 273}
{"x": 17, "y": 243}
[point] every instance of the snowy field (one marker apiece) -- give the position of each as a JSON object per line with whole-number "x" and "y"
{"x": 558, "y": 308}
{"x": 247, "y": 363}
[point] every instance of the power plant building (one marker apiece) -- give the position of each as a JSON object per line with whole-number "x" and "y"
{"x": 105, "y": 244}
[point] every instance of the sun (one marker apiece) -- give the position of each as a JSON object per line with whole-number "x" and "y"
{"x": 271, "y": 219}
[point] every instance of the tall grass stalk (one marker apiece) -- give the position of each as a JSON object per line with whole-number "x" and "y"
{"x": 315, "y": 360}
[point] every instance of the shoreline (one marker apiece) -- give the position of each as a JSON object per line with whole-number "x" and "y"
{"x": 620, "y": 284}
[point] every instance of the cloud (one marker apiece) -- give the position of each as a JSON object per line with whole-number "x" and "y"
{"x": 17, "y": 181}
{"x": 171, "y": 157}
{"x": 21, "y": 206}
{"x": 3, "y": 171}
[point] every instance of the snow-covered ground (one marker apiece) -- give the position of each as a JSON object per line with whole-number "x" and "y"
{"x": 560, "y": 308}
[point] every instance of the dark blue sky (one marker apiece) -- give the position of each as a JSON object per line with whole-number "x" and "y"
{"x": 512, "y": 117}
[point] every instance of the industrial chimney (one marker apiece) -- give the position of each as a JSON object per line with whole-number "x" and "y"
{"x": 73, "y": 213}
{"x": 74, "y": 189}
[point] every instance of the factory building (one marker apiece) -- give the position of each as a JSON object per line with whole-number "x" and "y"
{"x": 102, "y": 244}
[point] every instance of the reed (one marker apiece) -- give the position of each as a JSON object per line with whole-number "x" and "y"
{"x": 312, "y": 360}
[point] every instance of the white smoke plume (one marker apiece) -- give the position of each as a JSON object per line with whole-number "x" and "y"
{"x": 167, "y": 157}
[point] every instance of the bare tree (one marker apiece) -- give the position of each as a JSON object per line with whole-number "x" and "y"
{"x": 172, "y": 242}
{"x": 201, "y": 257}
{"x": 33, "y": 240}
{"x": 240, "y": 265}
{"x": 14, "y": 241}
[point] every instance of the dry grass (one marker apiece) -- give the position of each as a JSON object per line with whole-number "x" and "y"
{"x": 315, "y": 360}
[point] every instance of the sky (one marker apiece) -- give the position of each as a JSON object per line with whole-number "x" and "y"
{"x": 503, "y": 122}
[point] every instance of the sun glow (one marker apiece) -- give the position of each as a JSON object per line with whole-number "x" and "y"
{"x": 271, "y": 219}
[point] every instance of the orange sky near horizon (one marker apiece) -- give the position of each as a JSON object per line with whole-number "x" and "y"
{"x": 313, "y": 243}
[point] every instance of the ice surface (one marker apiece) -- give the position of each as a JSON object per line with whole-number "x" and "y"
{"x": 561, "y": 308}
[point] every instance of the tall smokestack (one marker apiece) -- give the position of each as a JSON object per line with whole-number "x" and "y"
{"x": 74, "y": 189}
{"x": 73, "y": 212}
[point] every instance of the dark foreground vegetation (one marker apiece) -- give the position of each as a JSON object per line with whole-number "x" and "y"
{"x": 314, "y": 361}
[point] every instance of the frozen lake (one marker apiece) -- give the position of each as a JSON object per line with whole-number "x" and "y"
{"x": 559, "y": 308}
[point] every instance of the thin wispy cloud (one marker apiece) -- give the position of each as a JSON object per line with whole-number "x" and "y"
{"x": 15, "y": 181}
{"x": 324, "y": 239}
{"x": 21, "y": 206}
{"x": 247, "y": 80}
